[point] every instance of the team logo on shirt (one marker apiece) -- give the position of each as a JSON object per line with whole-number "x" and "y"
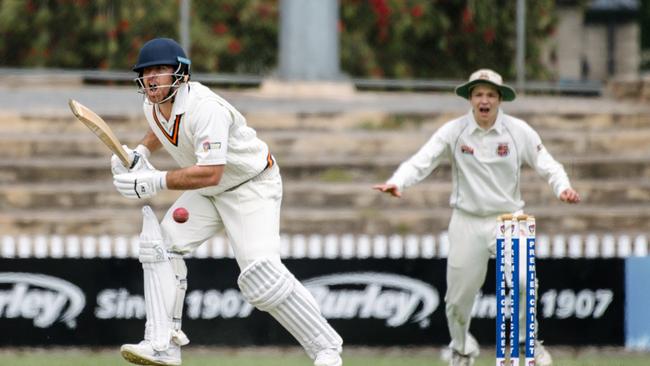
{"x": 466, "y": 150}
{"x": 503, "y": 149}
{"x": 207, "y": 145}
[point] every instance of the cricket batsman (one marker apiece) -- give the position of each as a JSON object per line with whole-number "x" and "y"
{"x": 487, "y": 149}
{"x": 231, "y": 182}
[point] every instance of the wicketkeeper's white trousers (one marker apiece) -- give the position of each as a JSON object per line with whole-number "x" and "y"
{"x": 472, "y": 240}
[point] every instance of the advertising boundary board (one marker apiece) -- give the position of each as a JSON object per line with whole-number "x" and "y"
{"x": 376, "y": 302}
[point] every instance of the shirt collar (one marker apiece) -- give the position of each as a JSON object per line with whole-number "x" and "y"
{"x": 497, "y": 126}
{"x": 180, "y": 100}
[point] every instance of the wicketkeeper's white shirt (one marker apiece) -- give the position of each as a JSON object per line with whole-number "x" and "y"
{"x": 486, "y": 164}
{"x": 204, "y": 129}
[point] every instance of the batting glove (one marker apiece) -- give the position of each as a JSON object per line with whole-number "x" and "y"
{"x": 140, "y": 184}
{"x": 138, "y": 156}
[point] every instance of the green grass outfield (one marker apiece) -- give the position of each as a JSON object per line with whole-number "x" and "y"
{"x": 194, "y": 356}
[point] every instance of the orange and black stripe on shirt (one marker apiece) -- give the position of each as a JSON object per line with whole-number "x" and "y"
{"x": 173, "y": 138}
{"x": 269, "y": 161}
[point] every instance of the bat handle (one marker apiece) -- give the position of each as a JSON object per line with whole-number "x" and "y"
{"x": 134, "y": 162}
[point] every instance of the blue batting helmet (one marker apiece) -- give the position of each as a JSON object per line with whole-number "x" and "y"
{"x": 162, "y": 51}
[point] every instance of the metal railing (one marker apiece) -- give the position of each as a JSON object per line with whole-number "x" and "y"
{"x": 586, "y": 87}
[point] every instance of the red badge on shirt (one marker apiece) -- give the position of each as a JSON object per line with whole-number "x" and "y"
{"x": 466, "y": 149}
{"x": 503, "y": 149}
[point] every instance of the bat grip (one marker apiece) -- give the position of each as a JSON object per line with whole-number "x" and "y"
{"x": 136, "y": 159}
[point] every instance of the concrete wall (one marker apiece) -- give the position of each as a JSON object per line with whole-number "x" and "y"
{"x": 581, "y": 49}
{"x": 569, "y": 34}
{"x": 627, "y": 53}
{"x": 595, "y": 51}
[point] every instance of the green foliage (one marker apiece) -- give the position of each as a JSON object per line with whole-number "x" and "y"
{"x": 379, "y": 38}
{"x": 98, "y": 34}
{"x": 439, "y": 38}
{"x": 234, "y": 35}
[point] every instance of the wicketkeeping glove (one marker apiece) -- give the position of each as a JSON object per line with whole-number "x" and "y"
{"x": 140, "y": 184}
{"x": 139, "y": 157}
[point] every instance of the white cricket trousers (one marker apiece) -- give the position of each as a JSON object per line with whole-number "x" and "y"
{"x": 250, "y": 215}
{"x": 472, "y": 241}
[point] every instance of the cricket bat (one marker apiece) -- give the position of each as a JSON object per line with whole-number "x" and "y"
{"x": 99, "y": 127}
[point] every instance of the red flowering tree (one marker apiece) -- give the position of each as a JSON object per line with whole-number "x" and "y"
{"x": 97, "y": 34}
{"x": 439, "y": 38}
{"x": 379, "y": 38}
{"x": 234, "y": 35}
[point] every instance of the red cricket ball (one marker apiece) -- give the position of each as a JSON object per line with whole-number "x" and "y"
{"x": 180, "y": 215}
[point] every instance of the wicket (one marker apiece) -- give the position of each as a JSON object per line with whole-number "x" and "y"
{"x": 509, "y": 230}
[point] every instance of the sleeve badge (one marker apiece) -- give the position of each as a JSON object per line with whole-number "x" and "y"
{"x": 207, "y": 145}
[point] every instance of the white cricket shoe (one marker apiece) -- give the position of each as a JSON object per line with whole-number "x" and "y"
{"x": 144, "y": 354}
{"x": 328, "y": 357}
{"x": 542, "y": 356}
{"x": 458, "y": 359}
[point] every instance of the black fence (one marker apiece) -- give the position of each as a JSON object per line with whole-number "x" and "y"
{"x": 372, "y": 302}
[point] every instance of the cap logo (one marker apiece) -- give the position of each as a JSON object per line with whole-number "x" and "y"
{"x": 183, "y": 60}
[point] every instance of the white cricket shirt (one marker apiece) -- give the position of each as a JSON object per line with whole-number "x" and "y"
{"x": 486, "y": 164}
{"x": 204, "y": 129}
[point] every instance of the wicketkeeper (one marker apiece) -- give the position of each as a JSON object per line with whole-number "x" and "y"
{"x": 486, "y": 148}
{"x": 232, "y": 183}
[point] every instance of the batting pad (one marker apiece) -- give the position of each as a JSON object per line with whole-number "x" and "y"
{"x": 269, "y": 286}
{"x": 164, "y": 285}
